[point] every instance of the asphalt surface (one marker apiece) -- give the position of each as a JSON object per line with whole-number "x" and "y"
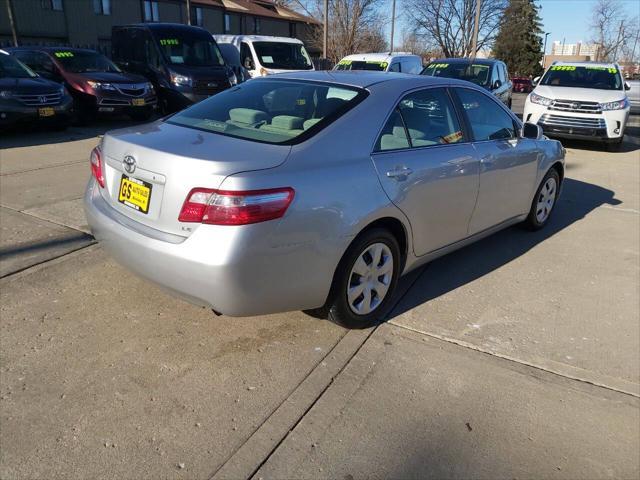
{"x": 518, "y": 356}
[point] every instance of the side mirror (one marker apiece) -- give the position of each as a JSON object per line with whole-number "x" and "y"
{"x": 497, "y": 84}
{"x": 248, "y": 63}
{"x": 532, "y": 131}
{"x": 535, "y": 81}
{"x": 627, "y": 86}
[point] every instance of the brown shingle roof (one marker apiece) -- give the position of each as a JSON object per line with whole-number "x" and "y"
{"x": 252, "y": 7}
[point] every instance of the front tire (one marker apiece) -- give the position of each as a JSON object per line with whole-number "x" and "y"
{"x": 365, "y": 280}
{"x": 544, "y": 201}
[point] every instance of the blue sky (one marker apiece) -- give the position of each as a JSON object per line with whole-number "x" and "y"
{"x": 570, "y": 19}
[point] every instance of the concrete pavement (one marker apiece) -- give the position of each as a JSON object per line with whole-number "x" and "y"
{"x": 515, "y": 357}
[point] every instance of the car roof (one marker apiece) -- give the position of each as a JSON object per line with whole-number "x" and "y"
{"x": 587, "y": 64}
{"x": 38, "y": 48}
{"x": 477, "y": 61}
{"x": 367, "y": 78}
{"x": 258, "y": 38}
{"x": 378, "y": 57}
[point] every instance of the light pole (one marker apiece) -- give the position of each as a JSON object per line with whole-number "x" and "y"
{"x": 393, "y": 23}
{"x": 544, "y": 50}
{"x": 325, "y": 34}
{"x": 476, "y": 27}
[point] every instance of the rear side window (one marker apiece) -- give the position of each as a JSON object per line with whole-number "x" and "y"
{"x": 271, "y": 111}
{"x": 487, "y": 118}
{"x": 427, "y": 117}
{"x": 395, "y": 67}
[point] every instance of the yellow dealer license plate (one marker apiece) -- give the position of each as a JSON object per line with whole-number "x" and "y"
{"x": 135, "y": 193}
{"x": 46, "y": 112}
{"x": 138, "y": 102}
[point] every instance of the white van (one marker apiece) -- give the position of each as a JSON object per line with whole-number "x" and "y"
{"x": 383, "y": 62}
{"x": 261, "y": 55}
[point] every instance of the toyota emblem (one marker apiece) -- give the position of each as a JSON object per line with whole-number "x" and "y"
{"x": 575, "y": 106}
{"x": 129, "y": 164}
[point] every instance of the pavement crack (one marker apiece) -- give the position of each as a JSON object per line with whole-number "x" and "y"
{"x": 508, "y": 358}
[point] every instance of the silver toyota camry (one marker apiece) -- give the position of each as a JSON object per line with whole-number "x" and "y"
{"x": 317, "y": 190}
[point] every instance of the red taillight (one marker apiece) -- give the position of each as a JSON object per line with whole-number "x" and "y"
{"x": 96, "y": 166}
{"x": 223, "y": 207}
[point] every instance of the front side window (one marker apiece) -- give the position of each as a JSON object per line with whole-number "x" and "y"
{"x": 487, "y": 118}
{"x": 84, "y": 61}
{"x": 11, "y": 67}
{"x": 151, "y": 13}
{"x": 474, "y": 73}
{"x": 271, "y": 111}
{"x": 428, "y": 118}
{"x": 597, "y": 77}
{"x": 102, "y": 7}
{"x": 283, "y": 55}
{"x": 192, "y": 50}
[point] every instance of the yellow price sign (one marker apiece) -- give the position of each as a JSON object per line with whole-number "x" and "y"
{"x": 63, "y": 54}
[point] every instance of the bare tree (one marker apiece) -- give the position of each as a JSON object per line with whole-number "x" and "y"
{"x": 448, "y": 24}
{"x": 613, "y": 30}
{"x": 355, "y": 26}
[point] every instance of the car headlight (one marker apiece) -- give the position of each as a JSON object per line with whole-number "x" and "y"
{"x": 540, "y": 100}
{"x": 617, "y": 105}
{"x": 100, "y": 85}
{"x": 149, "y": 87}
{"x": 5, "y": 94}
{"x": 181, "y": 80}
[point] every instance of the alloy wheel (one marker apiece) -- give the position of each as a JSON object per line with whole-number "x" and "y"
{"x": 546, "y": 200}
{"x": 370, "y": 279}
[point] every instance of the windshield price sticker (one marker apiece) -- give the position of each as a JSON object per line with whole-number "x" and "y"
{"x": 63, "y": 54}
{"x": 344, "y": 62}
{"x": 603, "y": 69}
{"x": 439, "y": 65}
{"x": 566, "y": 68}
{"x": 374, "y": 62}
{"x": 169, "y": 41}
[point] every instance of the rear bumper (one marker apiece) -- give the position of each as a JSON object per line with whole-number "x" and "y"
{"x": 234, "y": 270}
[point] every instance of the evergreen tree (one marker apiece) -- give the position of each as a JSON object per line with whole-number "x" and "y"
{"x": 518, "y": 43}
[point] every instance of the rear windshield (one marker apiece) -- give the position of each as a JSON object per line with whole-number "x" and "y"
{"x": 182, "y": 48}
{"x": 80, "y": 62}
{"x": 474, "y": 73}
{"x": 271, "y": 111}
{"x": 12, "y": 68}
{"x": 283, "y": 55}
{"x": 374, "y": 65}
{"x": 602, "y": 78}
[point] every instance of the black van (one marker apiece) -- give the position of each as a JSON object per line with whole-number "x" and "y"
{"x": 183, "y": 62}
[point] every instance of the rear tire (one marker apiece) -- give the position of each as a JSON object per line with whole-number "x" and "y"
{"x": 544, "y": 201}
{"x": 365, "y": 281}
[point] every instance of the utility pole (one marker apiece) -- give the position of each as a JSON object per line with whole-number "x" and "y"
{"x": 476, "y": 27}
{"x": 393, "y": 24}
{"x": 615, "y": 50}
{"x": 12, "y": 22}
{"x": 325, "y": 35}
{"x": 188, "y": 12}
{"x": 544, "y": 50}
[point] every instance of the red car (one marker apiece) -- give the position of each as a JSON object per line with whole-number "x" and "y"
{"x": 522, "y": 84}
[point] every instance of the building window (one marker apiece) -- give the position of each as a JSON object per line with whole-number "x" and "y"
{"x": 196, "y": 16}
{"x": 227, "y": 23}
{"x": 292, "y": 30}
{"x": 151, "y": 11}
{"x": 102, "y": 7}
{"x": 52, "y": 4}
{"x": 256, "y": 25}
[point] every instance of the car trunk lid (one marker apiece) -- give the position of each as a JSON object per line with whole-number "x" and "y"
{"x": 150, "y": 169}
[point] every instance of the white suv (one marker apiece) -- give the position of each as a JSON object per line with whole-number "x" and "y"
{"x": 582, "y": 100}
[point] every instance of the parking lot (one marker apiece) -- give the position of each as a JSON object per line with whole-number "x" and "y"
{"x": 517, "y": 356}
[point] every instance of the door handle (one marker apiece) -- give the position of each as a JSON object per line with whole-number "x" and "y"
{"x": 399, "y": 172}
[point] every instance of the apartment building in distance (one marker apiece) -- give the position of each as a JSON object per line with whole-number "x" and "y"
{"x": 89, "y": 22}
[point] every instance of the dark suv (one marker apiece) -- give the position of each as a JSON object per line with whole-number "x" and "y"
{"x": 488, "y": 73}
{"x": 96, "y": 84}
{"x": 26, "y": 97}
{"x": 183, "y": 62}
